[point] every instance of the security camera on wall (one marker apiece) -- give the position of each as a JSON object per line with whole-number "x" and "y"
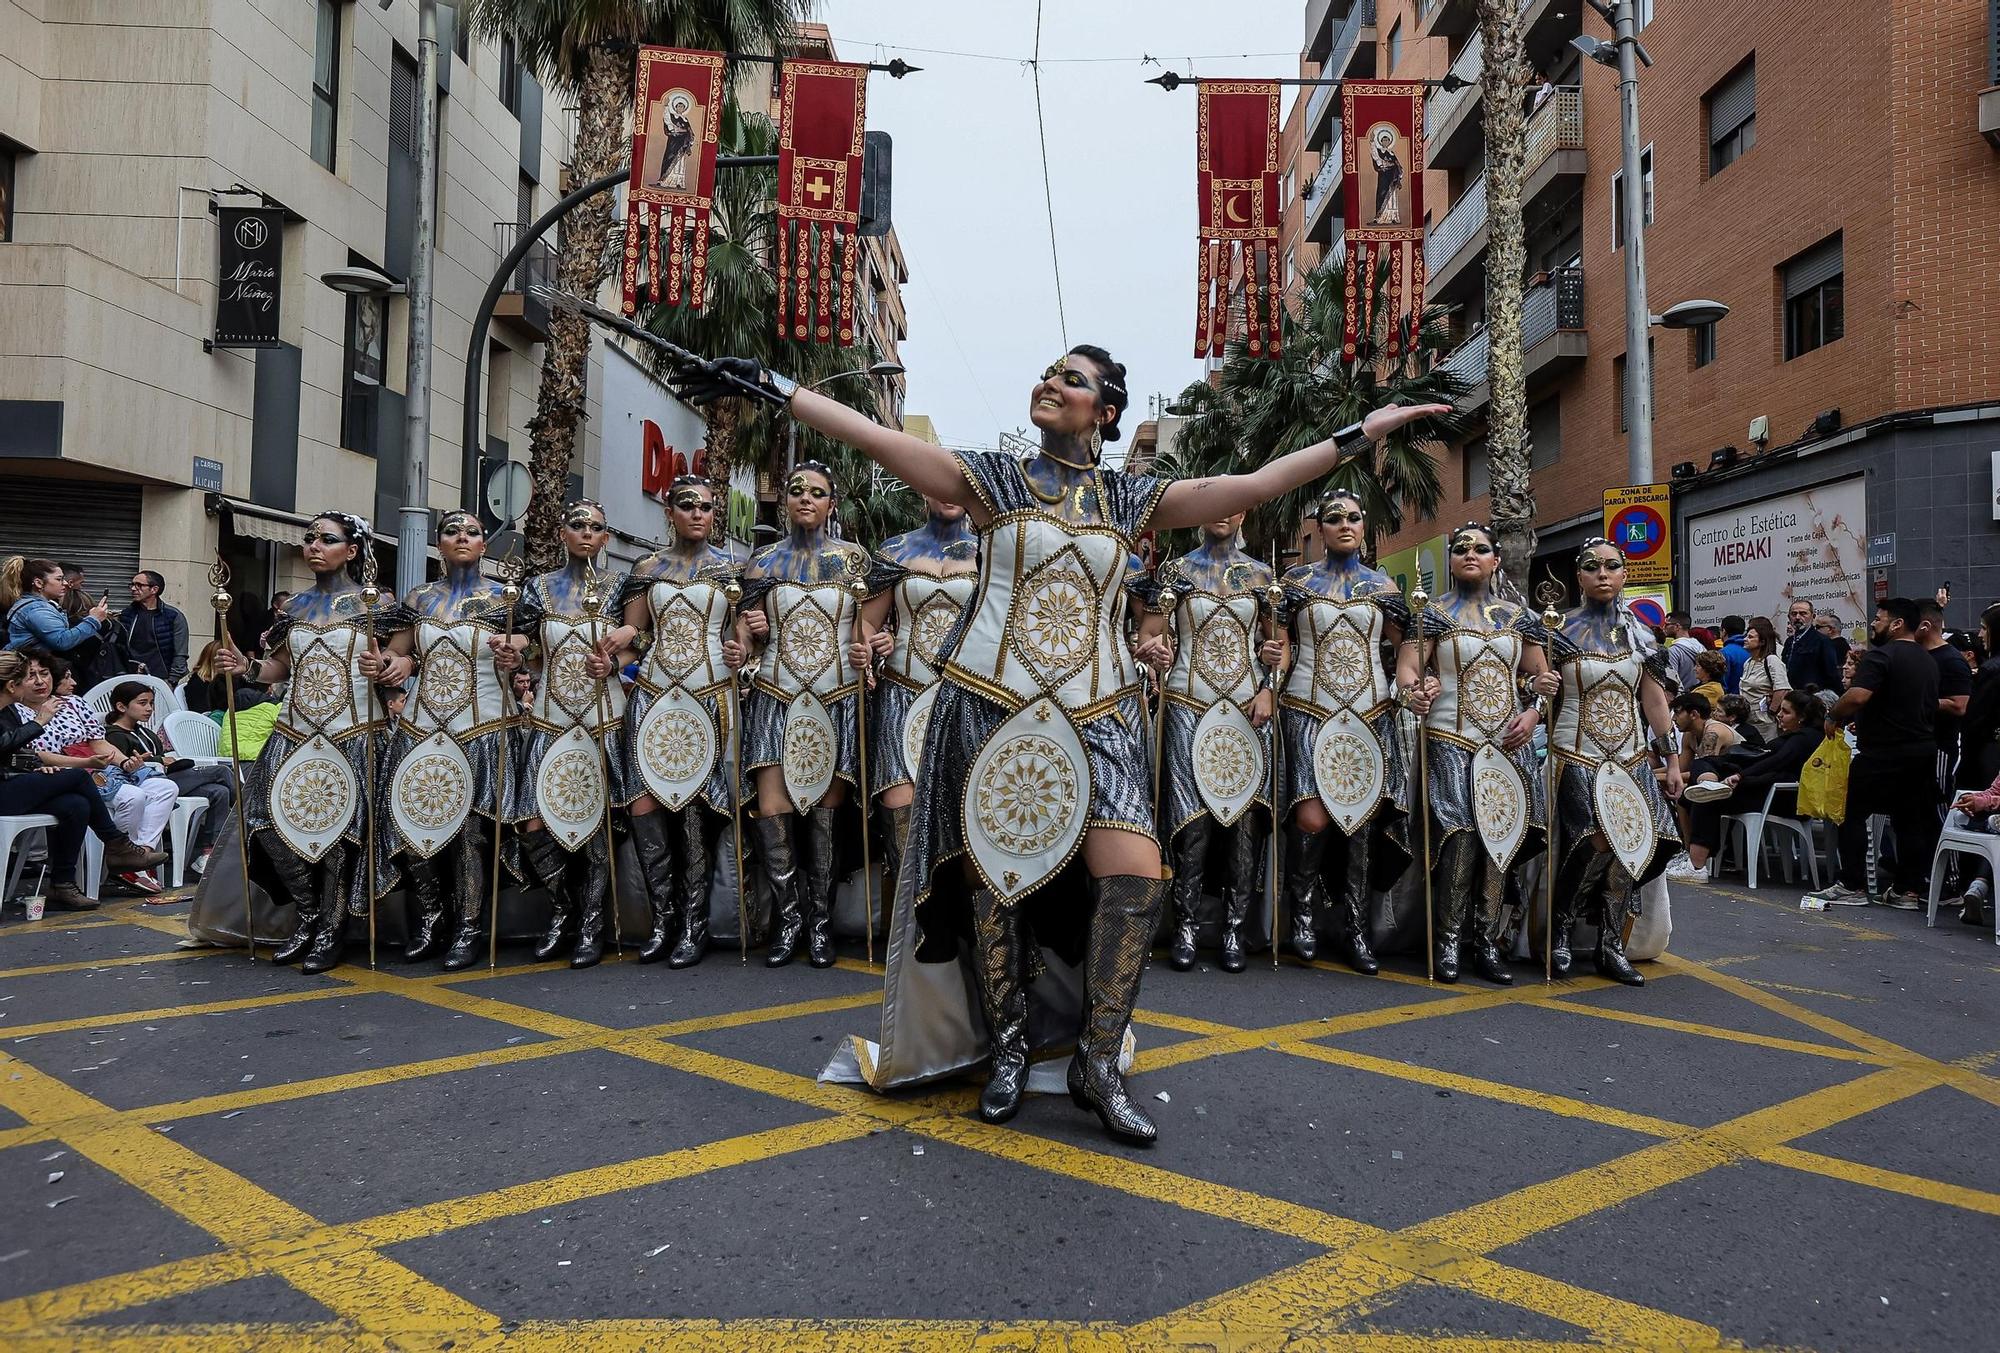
{"x": 1760, "y": 431}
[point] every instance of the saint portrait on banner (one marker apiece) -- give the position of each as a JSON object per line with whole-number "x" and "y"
{"x": 680, "y": 118}
{"x": 1386, "y": 157}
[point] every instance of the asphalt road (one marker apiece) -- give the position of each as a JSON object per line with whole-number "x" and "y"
{"x": 1786, "y": 1139}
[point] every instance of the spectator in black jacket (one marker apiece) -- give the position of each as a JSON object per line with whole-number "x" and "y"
{"x": 1810, "y": 656}
{"x": 1711, "y": 798}
{"x": 1979, "y": 733}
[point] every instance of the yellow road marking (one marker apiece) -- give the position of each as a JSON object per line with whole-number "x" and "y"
{"x": 166, "y": 1012}
{"x": 85, "y": 964}
{"x": 1719, "y": 1032}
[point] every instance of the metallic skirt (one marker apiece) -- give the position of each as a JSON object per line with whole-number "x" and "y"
{"x": 719, "y": 791}
{"x": 1180, "y": 802}
{"x": 1576, "y": 814}
{"x": 764, "y": 719}
{"x": 888, "y": 714}
{"x": 1302, "y": 736}
{"x": 257, "y": 812}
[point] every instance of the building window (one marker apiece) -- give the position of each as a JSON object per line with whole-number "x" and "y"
{"x": 510, "y": 77}
{"x": 1618, "y": 197}
{"x": 367, "y": 336}
{"x": 1652, "y": 385}
{"x": 403, "y": 103}
{"x": 1642, "y": 14}
{"x": 1732, "y": 117}
{"x": 326, "y": 81}
{"x": 1702, "y": 336}
{"x": 1478, "y": 471}
{"x": 6, "y": 193}
{"x": 1395, "y": 46}
{"x": 1814, "y": 310}
{"x": 461, "y": 35}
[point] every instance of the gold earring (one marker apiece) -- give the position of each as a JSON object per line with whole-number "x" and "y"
{"x": 1096, "y": 442}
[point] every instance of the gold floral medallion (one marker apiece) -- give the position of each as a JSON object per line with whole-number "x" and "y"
{"x": 1027, "y": 796}
{"x": 1225, "y": 761}
{"x": 1222, "y": 651}
{"x": 1486, "y": 692}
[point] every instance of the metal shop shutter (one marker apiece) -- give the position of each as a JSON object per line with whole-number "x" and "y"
{"x": 75, "y": 521}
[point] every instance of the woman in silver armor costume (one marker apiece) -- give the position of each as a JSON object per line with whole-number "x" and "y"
{"x": 801, "y": 598}
{"x": 680, "y": 722}
{"x": 1036, "y": 752}
{"x": 307, "y": 798}
{"x": 447, "y": 750}
{"x": 574, "y": 734}
{"x": 1462, "y": 671}
{"x": 1218, "y": 706}
{"x": 930, "y": 573}
{"x": 1615, "y": 832}
{"x": 1345, "y": 781}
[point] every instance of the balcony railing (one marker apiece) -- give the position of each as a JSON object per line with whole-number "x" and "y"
{"x": 1545, "y": 311}
{"x": 1426, "y": 8}
{"x": 1457, "y": 227}
{"x": 1345, "y": 39}
{"x": 1556, "y": 125}
{"x": 537, "y": 269}
{"x": 1329, "y": 168}
{"x": 1316, "y": 104}
{"x": 1444, "y": 103}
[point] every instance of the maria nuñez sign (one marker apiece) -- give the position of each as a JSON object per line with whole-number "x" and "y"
{"x": 246, "y": 304}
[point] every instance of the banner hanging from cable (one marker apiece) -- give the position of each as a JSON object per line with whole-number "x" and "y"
{"x": 1382, "y": 142}
{"x": 1236, "y": 186}
{"x": 822, "y": 123}
{"x": 676, "y": 124}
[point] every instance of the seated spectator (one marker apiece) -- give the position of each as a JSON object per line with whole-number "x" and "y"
{"x": 1734, "y": 710}
{"x": 1704, "y": 739}
{"x": 245, "y": 735}
{"x": 131, "y": 709}
{"x": 524, "y": 690}
{"x": 1714, "y": 796}
{"x": 39, "y": 774}
{"x": 204, "y": 691}
{"x": 31, "y": 594}
{"x": 1710, "y": 666}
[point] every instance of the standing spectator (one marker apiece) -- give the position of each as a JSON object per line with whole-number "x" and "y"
{"x": 1892, "y": 704}
{"x": 76, "y": 602}
{"x": 1733, "y": 649}
{"x": 155, "y": 634}
{"x": 31, "y": 593}
{"x": 1764, "y": 680}
{"x": 1979, "y": 734}
{"x": 1827, "y": 623}
{"x": 1810, "y": 657}
{"x": 1710, "y": 668}
{"x": 1954, "y": 687}
{"x": 1682, "y": 648}
{"x": 279, "y": 601}
{"x": 128, "y": 731}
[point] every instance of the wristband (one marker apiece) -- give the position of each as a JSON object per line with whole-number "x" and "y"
{"x": 782, "y": 386}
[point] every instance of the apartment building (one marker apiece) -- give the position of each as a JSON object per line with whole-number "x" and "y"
{"x": 1828, "y": 170}
{"x": 128, "y": 438}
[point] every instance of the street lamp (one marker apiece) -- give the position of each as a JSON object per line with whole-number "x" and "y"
{"x": 361, "y": 281}
{"x": 880, "y": 370}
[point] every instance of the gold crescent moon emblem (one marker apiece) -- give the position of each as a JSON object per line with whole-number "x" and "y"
{"x": 1229, "y": 210}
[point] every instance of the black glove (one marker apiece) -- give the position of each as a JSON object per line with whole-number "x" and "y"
{"x": 706, "y": 382}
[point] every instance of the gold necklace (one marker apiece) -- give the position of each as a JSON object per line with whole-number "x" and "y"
{"x": 1086, "y": 468}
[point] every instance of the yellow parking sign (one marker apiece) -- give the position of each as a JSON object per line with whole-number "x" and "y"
{"x": 1638, "y": 521}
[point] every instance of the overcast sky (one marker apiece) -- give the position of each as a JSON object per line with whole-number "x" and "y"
{"x": 968, "y": 200}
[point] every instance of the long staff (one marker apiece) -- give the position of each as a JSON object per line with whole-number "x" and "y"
{"x": 1419, "y": 600}
{"x": 859, "y": 587}
{"x": 510, "y": 597}
{"x": 1274, "y": 595}
{"x": 592, "y": 599}
{"x": 733, "y": 590}
{"x": 371, "y": 597}
{"x": 218, "y": 578}
{"x": 1552, "y": 595}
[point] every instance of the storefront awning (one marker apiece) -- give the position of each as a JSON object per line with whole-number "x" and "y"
{"x": 254, "y": 521}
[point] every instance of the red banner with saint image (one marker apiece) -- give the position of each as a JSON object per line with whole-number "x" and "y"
{"x": 1382, "y": 142}
{"x": 1236, "y": 186}
{"x": 676, "y": 121}
{"x": 822, "y": 122}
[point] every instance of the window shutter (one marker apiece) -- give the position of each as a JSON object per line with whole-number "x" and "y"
{"x": 1816, "y": 265}
{"x": 1733, "y": 103}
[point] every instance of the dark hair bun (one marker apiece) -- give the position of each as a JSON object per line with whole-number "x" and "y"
{"x": 1115, "y": 398}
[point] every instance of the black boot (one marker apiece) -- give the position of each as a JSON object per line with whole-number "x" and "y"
{"x": 820, "y": 884}
{"x": 1354, "y": 901}
{"x": 325, "y": 952}
{"x": 1237, "y": 893}
{"x": 426, "y": 935}
{"x": 1190, "y": 855}
{"x": 656, "y": 870}
{"x": 1126, "y": 914}
{"x": 1457, "y": 876}
{"x": 596, "y": 898}
{"x": 1003, "y": 996}
{"x": 549, "y": 863}
{"x": 1621, "y": 907}
{"x": 779, "y": 872}
{"x": 699, "y": 830}
{"x": 295, "y": 877}
{"x": 1305, "y": 855}
{"x": 468, "y": 899}
{"x": 1574, "y": 883}
{"x": 1488, "y": 924}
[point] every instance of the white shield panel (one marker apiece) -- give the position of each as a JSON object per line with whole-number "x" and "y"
{"x": 808, "y": 751}
{"x": 1349, "y": 769}
{"x": 677, "y": 745}
{"x": 915, "y": 726}
{"x": 1027, "y": 799}
{"x": 430, "y": 795}
{"x": 1229, "y": 765}
{"x": 1499, "y": 803}
{"x": 1625, "y": 816}
{"x": 313, "y": 797}
{"x": 569, "y": 788}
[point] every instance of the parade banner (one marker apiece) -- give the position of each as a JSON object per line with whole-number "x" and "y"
{"x": 1758, "y": 558}
{"x": 676, "y": 120}
{"x": 1382, "y": 142}
{"x": 1236, "y": 186}
{"x": 1636, "y": 521}
{"x": 822, "y": 123}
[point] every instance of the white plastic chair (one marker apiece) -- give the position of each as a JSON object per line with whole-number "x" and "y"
{"x": 188, "y": 811}
{"x": 1753, "y": 827}
{"x": 1958, "y": 838}
{"x": 195, "y": 736}
{"x": 18, "y": 831}
{"x": 165, "y": 701}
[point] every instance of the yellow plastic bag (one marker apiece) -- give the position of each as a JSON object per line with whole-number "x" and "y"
{"x": 1823, "y": 783}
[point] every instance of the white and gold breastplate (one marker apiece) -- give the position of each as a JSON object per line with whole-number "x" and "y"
{"x": 1479, "y": 698}
{"x": 1597, "y": 710}
{"x": 1215, "y": 659}
{"x": 687, "y": 636}
{"x": 811, "y": 628}
{"x": 459, "y": 691}
{"x": 569, "y": 696}
{"x": 1338, "y": 662}
{"x": 327, "y": 692}
{"x": 1045, "y": 613}
{"x": 926, "y": 610}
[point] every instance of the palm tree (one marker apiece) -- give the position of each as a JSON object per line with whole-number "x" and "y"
{"x": 587, "y": 50}
{"x": 1503, "y": 84}
{"x": 1265, "y": 408}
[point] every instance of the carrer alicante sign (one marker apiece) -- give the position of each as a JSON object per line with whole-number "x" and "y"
{"x": 246, "y": 304}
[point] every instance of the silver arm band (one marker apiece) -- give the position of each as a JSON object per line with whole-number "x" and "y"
{"x": 783, "y": 386}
